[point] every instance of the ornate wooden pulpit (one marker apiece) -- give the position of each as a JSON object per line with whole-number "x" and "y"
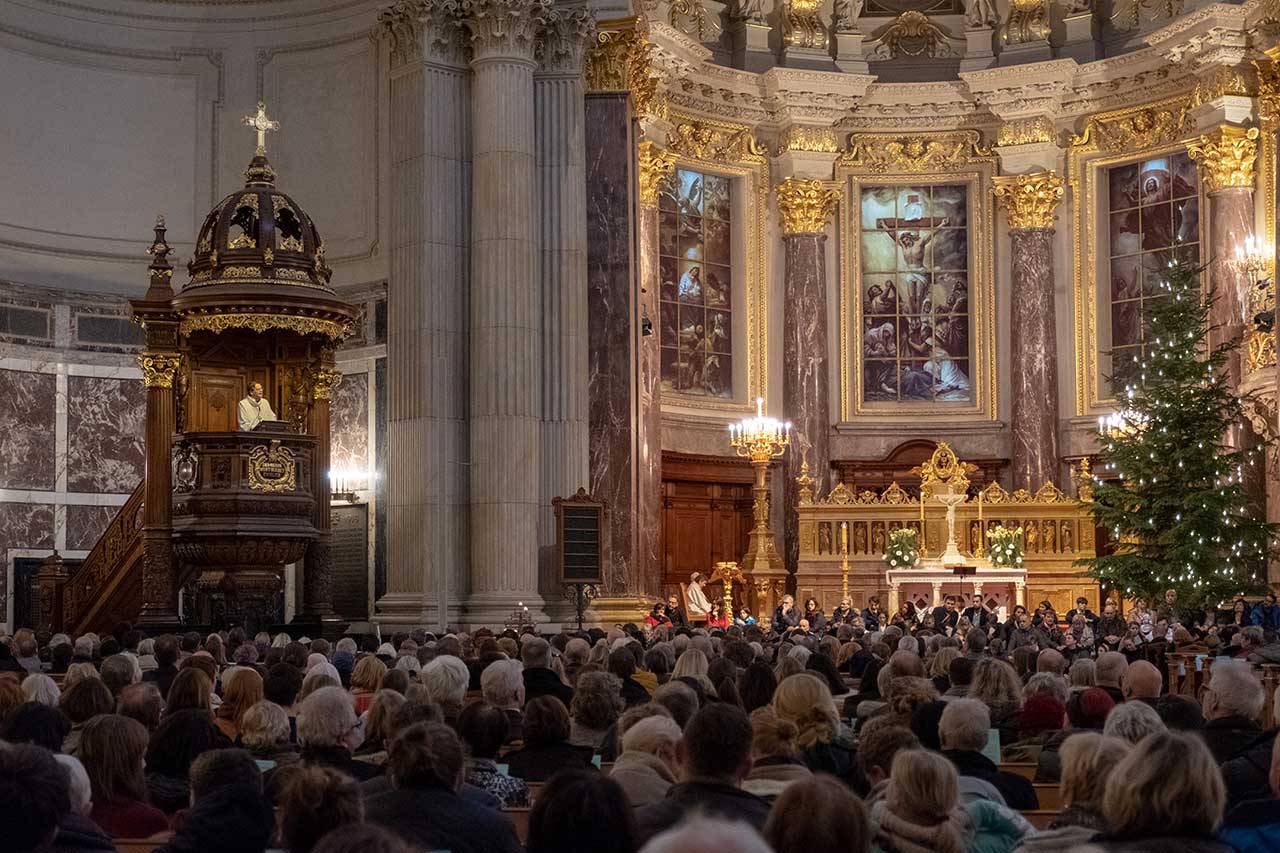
{"x": 225, "y": 509}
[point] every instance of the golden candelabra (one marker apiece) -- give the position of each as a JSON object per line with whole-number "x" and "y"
{"x": 844, "y": 561}
{"x": 761, "y": 439}
{"x": 729, "y": 573}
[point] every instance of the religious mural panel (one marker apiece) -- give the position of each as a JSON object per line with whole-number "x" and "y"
{"x": 1153, "y": 219}
{"x": 695, "y": 323}
{"x": 915, "y": 293}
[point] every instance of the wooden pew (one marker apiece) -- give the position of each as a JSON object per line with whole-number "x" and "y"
{"x": 1025, "y": 769}
{"x": 1040, "y": 818}
{"x": 142, "y": 845}
{"x": 1050, "y": 797}
{"x": 520, "y": 819}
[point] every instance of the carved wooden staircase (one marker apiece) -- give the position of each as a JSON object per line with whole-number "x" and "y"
{"x": 106, "y": 588}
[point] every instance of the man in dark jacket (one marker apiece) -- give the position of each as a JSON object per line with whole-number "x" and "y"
{"x": 1248, "y": 773}
{"x": 539, "y": 678}
{"x": 426, "y": 767}
{"x": 978, "y": 614}
{"x": 785, "y": 615}
{"x": 1111, "y": 627}
{"x": 229, "y": 813}
{"x": 715, "y": 753}
{"x": 872, "y": 616}
{"x": 963, "y": 730}
{"x": 1232, "y": 704}
{"x": 1254, "y": 825}
{"x": 1082, "y": 609}
{"x": 166, "y": 663}
{"x": 945, "y": 617}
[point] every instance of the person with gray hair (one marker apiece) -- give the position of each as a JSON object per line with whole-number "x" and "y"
{"x": 1132, "y": 721}
{"x": 39, "y": 687}
{"x": 963, "y": 730}
{"x": 648, "y": 767}
{"x": 1046, "y": 682}
{"x": 1109, "y": 670}
{"x": 539, "y": 678}
{"x": 1232, "y": 705}
{"x": 447, "y": 678}
{"x": 329, "y": 732}
{"x": 699, "y": 834}
{"x": 678, "y": 698}
{"x": 502, "y": 685}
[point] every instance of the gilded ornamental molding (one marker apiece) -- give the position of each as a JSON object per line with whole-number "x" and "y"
{"x": 1026, "y": 131}
{"x": 1149, "y": 126}
{"x": 218, "y": 323}
{"x": 654, "y": 168}
{"x": 934, "y": 152}
{"x": 805, "y": 27}
{"x": 324, "y": 381}
{"x": 1226, "y": 157}
{"x": 1030, "y": 201}
{"x": 716, "y": 142}
{"x": 806, "y": 206}
{"x": 158, "y": 369}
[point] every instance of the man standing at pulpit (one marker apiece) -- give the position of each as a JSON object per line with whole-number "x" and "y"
{"x": 253, "y": 409}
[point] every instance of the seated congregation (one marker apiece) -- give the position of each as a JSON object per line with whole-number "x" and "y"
{"x": 863, "y": 734}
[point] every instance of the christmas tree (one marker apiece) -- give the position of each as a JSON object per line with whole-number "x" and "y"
{"x": 1179, "y": 512}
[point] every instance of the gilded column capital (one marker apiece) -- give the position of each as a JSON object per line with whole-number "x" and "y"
{"x": 619, "y": 61}
{"x": 158, "y": 368}
{"x": 654, "y": 170}
{"x": 505, "y": 29}
{"x": 324, "y": 381}
{"x": 806, "y": 205}
{"x": 1029, "y": 200}
{"x": 565, "y": 38}
{"x": 1226, "y": 157}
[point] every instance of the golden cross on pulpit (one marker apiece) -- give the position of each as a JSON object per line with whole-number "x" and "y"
{"x": 261, "y": 124}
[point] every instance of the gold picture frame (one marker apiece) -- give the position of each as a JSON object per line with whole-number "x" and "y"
{"x": 730, "y": 150}
{"x": 1112, "y": 139}
{"x": 894, "y": 160}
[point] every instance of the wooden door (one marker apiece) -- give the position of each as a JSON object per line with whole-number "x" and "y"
{"x": 706, "y": 513}
{"x": 214, "y": 394}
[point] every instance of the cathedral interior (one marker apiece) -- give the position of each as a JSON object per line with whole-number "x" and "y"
{"x": 492, "y": 254}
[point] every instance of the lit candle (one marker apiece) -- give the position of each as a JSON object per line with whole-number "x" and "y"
{"x": 759, "y": 407}
{"x": 844, "y": 538}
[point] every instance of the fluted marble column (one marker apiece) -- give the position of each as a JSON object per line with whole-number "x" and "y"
{"x": 427, "y": 332}
{"x": 805, "y": 207}
{"x": 1226, "y": 158}
{"x": 506, "y": 317}
{"x": 1029, "y": 202}
{"x": 562, "y": 193}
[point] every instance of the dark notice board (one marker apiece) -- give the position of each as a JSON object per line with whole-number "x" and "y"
{"x": 580, "y": 523}
{"x": 349, "y": 584}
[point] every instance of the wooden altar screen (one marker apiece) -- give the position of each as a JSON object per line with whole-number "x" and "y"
{"x": 1058, "y": 530}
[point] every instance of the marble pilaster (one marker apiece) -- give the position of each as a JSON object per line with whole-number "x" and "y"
{"x": 505, "y": 315}
{"x": 1029, "y": 202}
{"x": 611, "y": 332}
{"x": 648, "y": 568}
{"x": 562, "y": 237}
{"x": 427, "y": 336}
{"x": 805, "y": 207}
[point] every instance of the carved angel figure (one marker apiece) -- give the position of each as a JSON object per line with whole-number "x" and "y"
{"x": 845, "y": 14}
{"x": 981, "y": 13}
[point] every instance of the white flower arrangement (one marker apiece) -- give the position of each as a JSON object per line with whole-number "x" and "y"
{"x": 1004, "y": 546}
{"x": 903, "y": 549}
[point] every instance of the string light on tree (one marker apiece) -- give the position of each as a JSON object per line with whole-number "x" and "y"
{"x": 1178, "y": 498}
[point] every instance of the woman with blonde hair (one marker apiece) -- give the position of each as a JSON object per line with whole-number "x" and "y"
{"x": 365, "y": 680}
{"x": 940, "y": 668}
{"x": 78, "y": 672}
{"x": 265, "y": 732}
{"x": 826, "y": 746}
{"x": 995, "y": 683}
{"x": 921, "y": 808}
{"x": 1088, "y": 760}
{"x": 378, "y": 728}
{"x": 776, "y": 762}
{"x": 1166, "y": 794}
{"x": 240, "y": 693}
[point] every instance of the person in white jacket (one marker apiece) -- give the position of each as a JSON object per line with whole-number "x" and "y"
{"x": 699, "y": 606}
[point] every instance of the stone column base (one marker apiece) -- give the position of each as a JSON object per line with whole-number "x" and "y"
{"x": 608, "y": 611}
{"x": 494, "y": 609}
